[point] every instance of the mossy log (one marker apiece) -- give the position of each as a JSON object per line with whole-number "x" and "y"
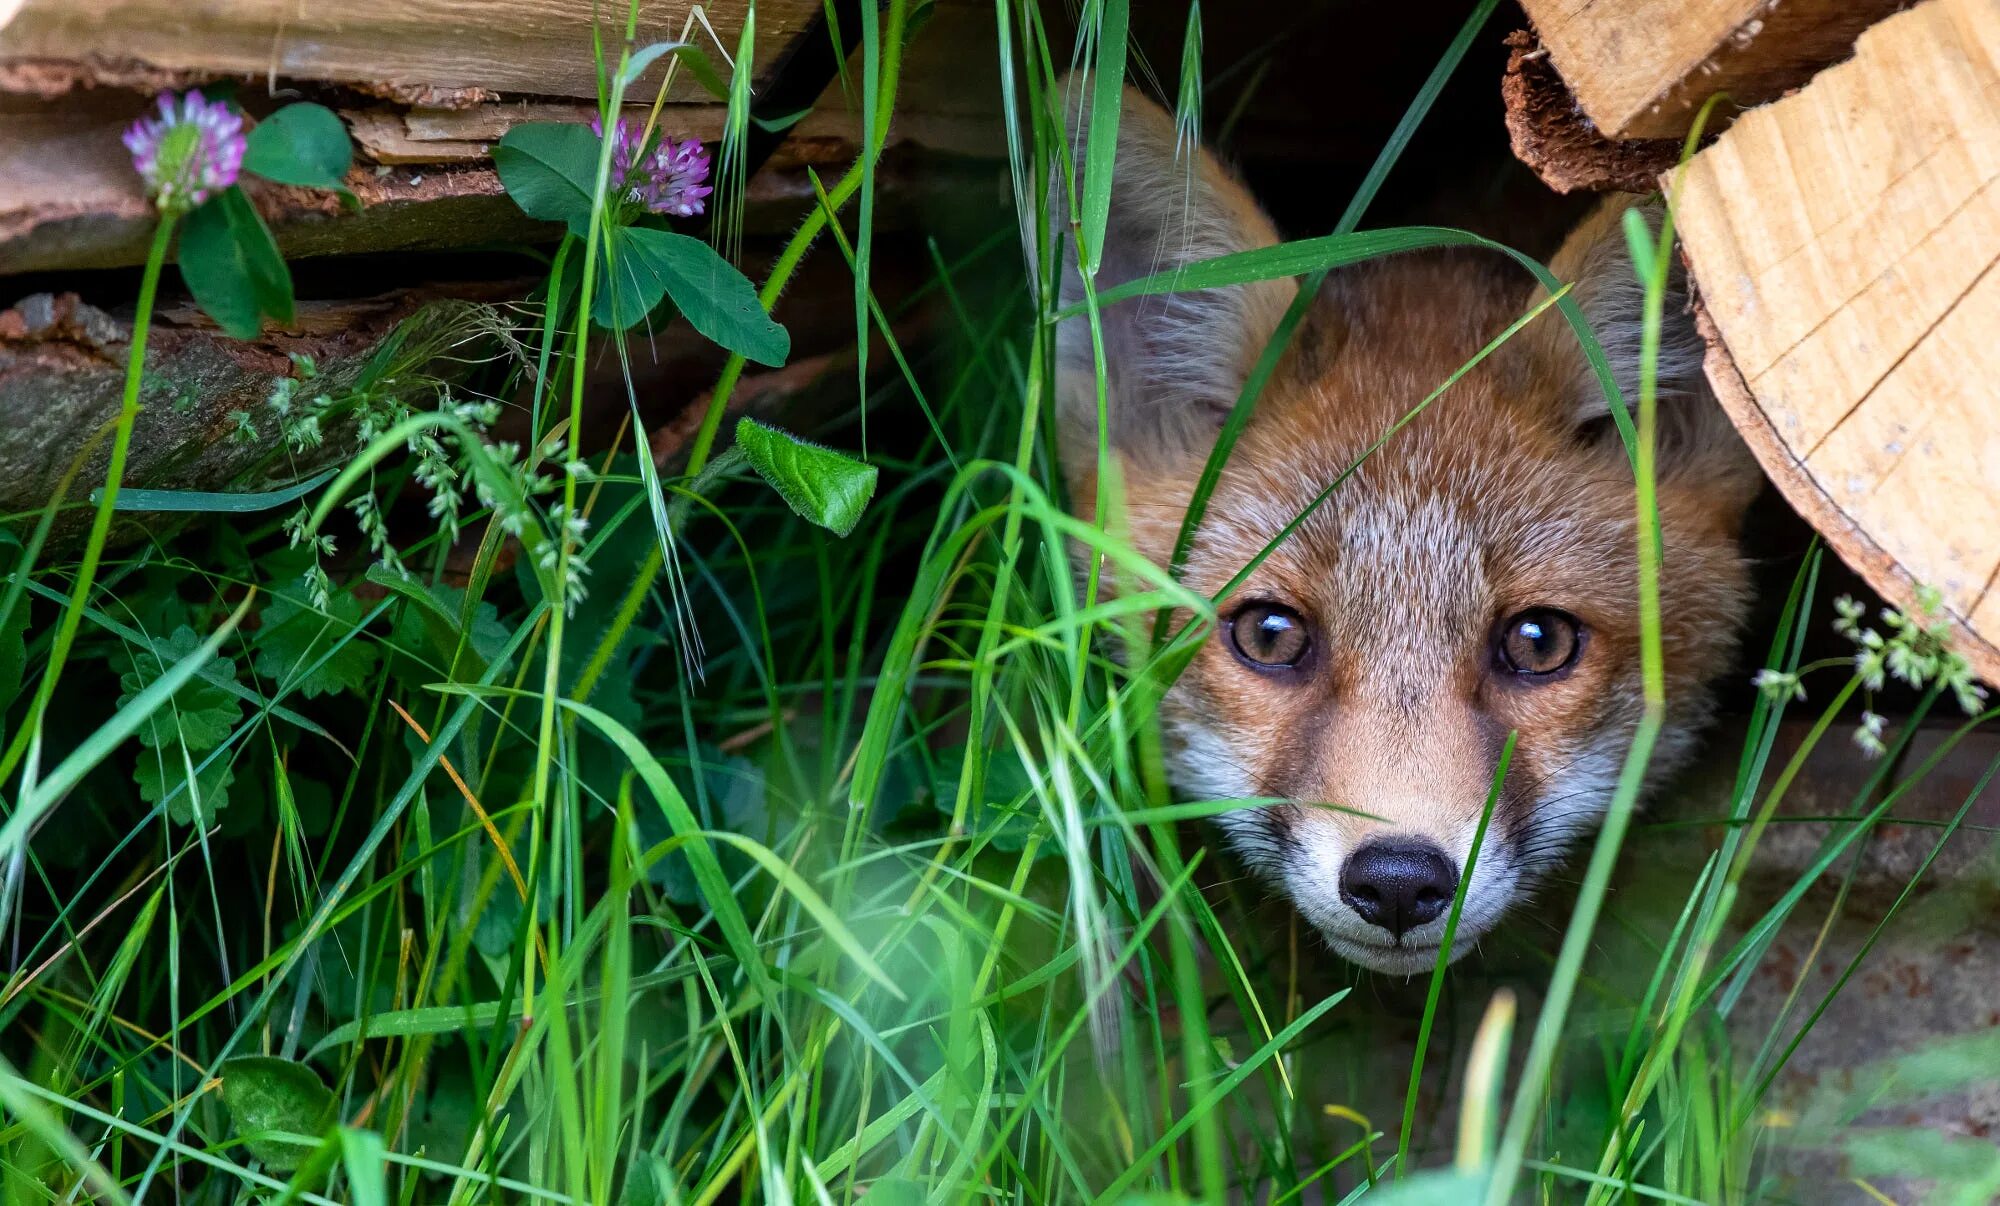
{"x": 62, "y": 381}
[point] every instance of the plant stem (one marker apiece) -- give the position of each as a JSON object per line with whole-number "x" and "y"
{"x": 107, "y": 502}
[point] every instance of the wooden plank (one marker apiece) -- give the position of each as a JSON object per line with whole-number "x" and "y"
{"x": 474, "y": 48}
{"x": 825, "y": 136}
{"x": 1847, "y": 245}
{"x": 69, "y": 199}
{"x": 1642, "y": 68}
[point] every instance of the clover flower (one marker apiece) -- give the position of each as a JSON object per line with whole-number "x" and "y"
{"x": 190, "y": 152}
{"x": 665, "y": 179}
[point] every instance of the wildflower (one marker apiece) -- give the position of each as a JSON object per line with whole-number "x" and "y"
{"x": 1851, "y": 611}
{"x": 1777, "y": 684}
{"x": 678, "y": 172}
{"x": 1868, "y": 735}
{"x": 190, "y": 152}
{"x": 666, "y": 178}
{"x": 1917, "y": 650}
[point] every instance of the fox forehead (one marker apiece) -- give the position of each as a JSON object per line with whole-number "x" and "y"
{"x": 1484, "y": 498}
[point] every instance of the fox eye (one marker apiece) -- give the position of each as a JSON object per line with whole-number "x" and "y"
{"x": 1539, "y": 641}
{"x": 1269, "y": 635}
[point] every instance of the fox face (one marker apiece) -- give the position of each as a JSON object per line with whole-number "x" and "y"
{"x": 1474, "y": 576}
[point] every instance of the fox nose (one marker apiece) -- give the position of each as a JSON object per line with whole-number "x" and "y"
{"x": 1397, "y": 885}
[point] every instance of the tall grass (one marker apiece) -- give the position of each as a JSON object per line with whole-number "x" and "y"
{"x": 793, "y": 868}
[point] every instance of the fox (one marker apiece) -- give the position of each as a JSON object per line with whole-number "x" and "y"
{"x": 1475, "y": 577}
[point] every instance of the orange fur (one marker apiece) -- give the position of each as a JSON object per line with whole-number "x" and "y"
{"x": 1508, "y": 493}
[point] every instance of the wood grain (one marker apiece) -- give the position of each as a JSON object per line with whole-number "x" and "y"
{"x": 1642, "y": 68}
{"x": 540, "y": 47}
{"x": 1847, "y": 245}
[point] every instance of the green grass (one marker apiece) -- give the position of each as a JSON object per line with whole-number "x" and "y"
{"x": 782, "y": 866}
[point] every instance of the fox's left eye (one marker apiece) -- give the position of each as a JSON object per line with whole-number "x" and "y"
{"x": 1539, "y": 641}
{"x": 1270, "y": 635}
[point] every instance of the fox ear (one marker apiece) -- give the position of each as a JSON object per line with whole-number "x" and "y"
{"x": 1174, "y": 362}
{"x": 1696, "y": 443}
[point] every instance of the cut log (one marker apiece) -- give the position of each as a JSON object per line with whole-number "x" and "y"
{"x": 1552, "y": 136}
{"x": 1642, "y": 68}
{"x": 1847, "y": 246}
{"x": 420, "y": 51}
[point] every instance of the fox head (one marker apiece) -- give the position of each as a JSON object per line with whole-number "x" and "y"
{"x": 1475, "y": 576}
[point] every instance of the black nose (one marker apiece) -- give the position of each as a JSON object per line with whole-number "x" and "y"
{"x": 1397, "y": 885}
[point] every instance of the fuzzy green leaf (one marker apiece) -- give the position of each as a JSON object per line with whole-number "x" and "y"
{"x": 820, "y": 484}
{"x": 550, "y": 170}
{"x": 294, "y": 641}
{"x": 162, "y": 774}
{"x": 302, "y": 144}
{"x": 266, "y": 1094}
{"x": 230, "y": 263}
{"x": 716, "y": 299}
{"x": 201, "y": 714}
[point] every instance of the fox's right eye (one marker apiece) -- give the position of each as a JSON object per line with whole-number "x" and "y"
{"x": 1269, "y": 635}
{"x": 1539, "y": 642}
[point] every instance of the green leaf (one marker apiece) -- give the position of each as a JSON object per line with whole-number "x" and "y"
{"x": 301, "y": 144}
{"x": 627, "y": 286}
{"x": 231, "y": 265}
{"x": 691, "y": 58}
{"x": 783, "y": 122}
{"x": 312, "y": 652}
{"x": 736, "y": 802}
{"x": 1438, "y": 1187}
{"x": 267, "y": 1094}
{"x": 197, "y": 718}
{"x": 1106, "y": 99}
{"x": 1005, "y": 813}
{"x": 432, "y": 618}
{"x": 162, "y": 774}
{"x": 363, "y": 1156}
{"x": 107, "y": 737}
{"x": 550, "y": 170}
{"x": 13, "y": 651}
{"x": 717, "y": 300}
{"x": 895, "y": 1191}
{"x": 820, "y": 484}
{"x": 210, "y": 502}
{"x": 1295, "y": 258}
{"x": 200, "y": 715}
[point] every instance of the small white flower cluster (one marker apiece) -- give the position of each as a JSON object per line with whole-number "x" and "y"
{"x": 1779, "y": 684}
{"x": 441, "y": 467}
{"x": 573, "y": 568}
{"x": 1916, "y": 651}
{"x": 298, "y": 422}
